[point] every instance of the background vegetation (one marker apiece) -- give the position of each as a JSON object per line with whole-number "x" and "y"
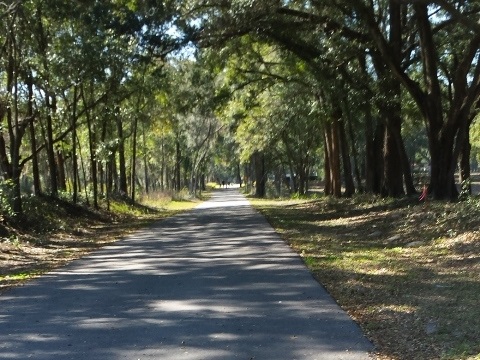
{"x": 122, "y": 97}
{"x": 104, "y": 104}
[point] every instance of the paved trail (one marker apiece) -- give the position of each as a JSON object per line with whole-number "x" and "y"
{"x": 214, "y": 283}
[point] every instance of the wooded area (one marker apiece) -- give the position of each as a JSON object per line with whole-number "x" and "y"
{"x": 119, "y": 98}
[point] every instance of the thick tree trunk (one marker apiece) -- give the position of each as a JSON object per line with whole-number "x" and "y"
{"x": 347, "y": 166}
{"x": 333, "y": 152}
{"x": 392, "y": 177}
{"x": 395, "y": 144}
{"x": 396, "y": 165}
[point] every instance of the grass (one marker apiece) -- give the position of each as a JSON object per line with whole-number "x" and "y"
{"x": 408, "y": 274}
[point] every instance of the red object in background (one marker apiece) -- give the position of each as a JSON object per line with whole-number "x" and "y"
{"x": 423, "y": 196}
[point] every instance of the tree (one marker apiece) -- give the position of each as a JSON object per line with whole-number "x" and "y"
{"x": 445, "y": 106}
{"x": 326, "y": 39}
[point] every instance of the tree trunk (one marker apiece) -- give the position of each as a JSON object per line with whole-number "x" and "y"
{"x": 33, "y": 143}
{"x": 239, "y": 175}
{"x": 465, "y": 166}
{"x": 50, "y": 102}
{"x": 442, "y": 178}
{"x": 15, "y": 131}
{"x": 392, "y": 178}
{"x": 302, "y": 178}
{"x": 357, "y": 173}
{"x": 122, "y": 167}
{"x": 371, "y": 150}
{"x": 134, "y": 157}
{"x": 178, "y": 162}
{"x": 333, "y": 152}
{"x": 51, "y": 109}
{"x": 378, "y": 165}
{"x": 259, "y": 165}
{"x": 327, "y": 182}
{"x": 62, "y": 179}
{"x": 92, "y": 147}
{"x": 145, "y": 161}
{"x": 74, "y": 147}
{"x": 347, "y": 166}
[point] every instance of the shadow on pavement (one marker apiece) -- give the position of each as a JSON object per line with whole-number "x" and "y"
{"x": 214, "y": 283}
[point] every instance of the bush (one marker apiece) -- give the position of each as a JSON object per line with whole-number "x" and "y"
{"x": 6, "y": 198}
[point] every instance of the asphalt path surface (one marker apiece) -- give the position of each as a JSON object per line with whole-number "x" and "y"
{"x": 213, "y": 283}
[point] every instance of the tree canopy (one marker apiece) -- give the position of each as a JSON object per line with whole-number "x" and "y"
{"x": 123, "y": 97}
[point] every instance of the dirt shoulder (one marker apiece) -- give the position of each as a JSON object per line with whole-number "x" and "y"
{"x": 25, "y": 257}
{"x": 54, "y": 232}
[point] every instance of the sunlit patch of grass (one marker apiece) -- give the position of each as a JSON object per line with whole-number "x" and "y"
{"x": 173, "y": 202}
{"x": 181, "y": 205}
{"x": 123, "y": 208}
{"x": 20, "y": 276}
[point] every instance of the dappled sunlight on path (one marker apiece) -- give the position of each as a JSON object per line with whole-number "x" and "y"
{"x": 213, "y": 283}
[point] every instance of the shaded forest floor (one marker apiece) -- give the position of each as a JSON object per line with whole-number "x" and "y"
{"x": 53, "y": 232}
{"x": 408, "y": 273}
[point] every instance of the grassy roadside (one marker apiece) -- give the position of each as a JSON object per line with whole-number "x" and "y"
{"x": 53, "y": 232}
{"x": 408, "y": 274}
